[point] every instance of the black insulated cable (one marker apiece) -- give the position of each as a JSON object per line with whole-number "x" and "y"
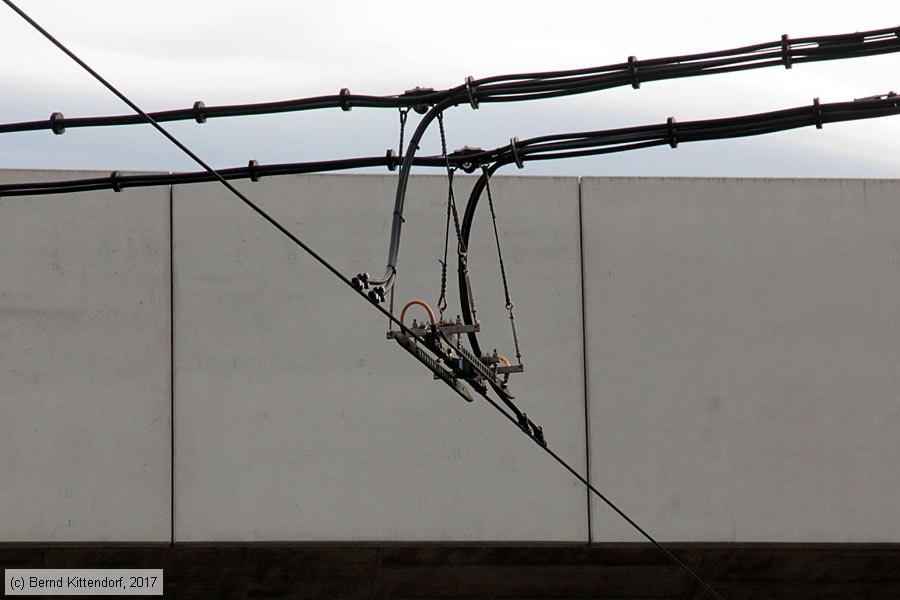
{"x": 545, "y": 147}
{"x": 532, "y": 86}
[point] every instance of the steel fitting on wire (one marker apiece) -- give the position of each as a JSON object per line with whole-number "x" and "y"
{"x": 421, "y": 107}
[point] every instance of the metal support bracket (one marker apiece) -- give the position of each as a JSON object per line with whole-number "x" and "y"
{"x": 409, "y": 344}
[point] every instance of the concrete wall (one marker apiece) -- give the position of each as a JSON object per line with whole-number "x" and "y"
{"x": 742, "y": 351}
{"x": 297, "y": 419}
{"x": 744, "y": 348}
{"x": 85, "y": 362}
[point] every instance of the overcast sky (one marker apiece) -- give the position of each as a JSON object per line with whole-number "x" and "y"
{"x": 166, "y": 54}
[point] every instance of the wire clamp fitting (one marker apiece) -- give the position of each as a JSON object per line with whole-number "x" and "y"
{"x": 633, "y": 72}
{"x": 876, "y": 97}
{"x": 392, "y": 159}
{"x": 471, "y": 91}
{"x": 253, "y": 170}
{"x": 670, "y": 126}
{"x": 423, "y": 107}
{"x": 786, "y": 58}
{"x": 514, "y": 147}
{"x": 199, "y": 111}
{"x": 56, "y": 123}
{"x": 115, "y": 182}
{"x": 538, "y": 434}
{"x": 361, "y": 281}
{"x": 459, "y": 158}
{"x": 345, "y": 99}
{"x": 817, "y": 113}
{"x": 376, "y": 295}
{"x": 525, "y": 423}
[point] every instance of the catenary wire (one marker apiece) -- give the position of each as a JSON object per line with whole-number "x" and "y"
{"x": 545, "y": 147}
{"x": 526, "y": 86}
{"x": 337, "y": 273}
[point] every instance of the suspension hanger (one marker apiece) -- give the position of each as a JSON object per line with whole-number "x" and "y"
{"x": 437, "y": 342}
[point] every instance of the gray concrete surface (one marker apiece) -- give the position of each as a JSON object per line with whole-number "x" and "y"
{"x": 744, "y": 345}
{"x": 84, "y": 357}
{"x": 297, "y": 420}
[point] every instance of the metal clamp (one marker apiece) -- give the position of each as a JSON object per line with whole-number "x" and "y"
{"x": 376, "y": 295}
{"x": 633, "y": 72}
{"x": 786, "y": 58}
{"x": 345, "y": 99}
{"x": 200, "y": 111}
{"x": 419, "y": 91}
{"x": 56, "y": 123}
{"x": 471, "y": 91}
{"x": 392, "y": 159}
{"x": 673, "y": 138}
{"x": 253, "y": 170}
{"x": 459, "y": 155}
{"x": 876, "y": 97}
{"x": 361, "y": 281}
{"x": 817, "y": 113}
{"x": 513, "y": 144}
